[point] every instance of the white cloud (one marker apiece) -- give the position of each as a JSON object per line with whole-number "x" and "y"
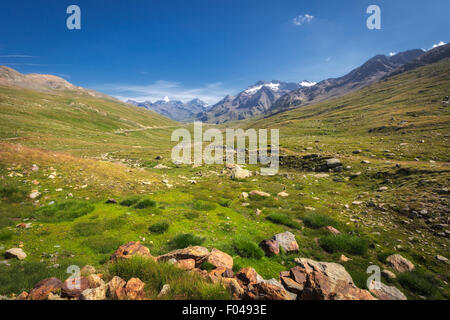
{"x": 161, "y": 89}
{"x": 328, "y": 59}
{"x": 16, "y": 56}
{"x": 301, "y": 20}
{"x": 441, "y": 43}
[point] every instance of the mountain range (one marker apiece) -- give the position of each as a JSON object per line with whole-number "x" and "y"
{"x": 174, "y": 109}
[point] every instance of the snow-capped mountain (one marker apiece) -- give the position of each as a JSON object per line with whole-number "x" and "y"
{"x": 254, "y": 100}
{"x": 174, "y": 109}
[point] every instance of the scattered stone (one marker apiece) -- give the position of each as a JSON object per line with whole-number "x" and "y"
{"x": 365, "y": 161}
{"x": 164, "y": 290}
{"x": 248, "y": 276}
{"x": 332, "y": 230}
{"x": 286, "y": 240}
{"x": 73, "y": 287}
{"x": 98, "y": 293}
{"x": 95, "y": 281}
{"x": 258, "y": 212}
{"x": 134, "y": 290}
{"x": 15, "y": 253}
{"x": 344, "y": 258}
{"x": 384, "y": 292}
{"x": 270, "y": 246}
{"x": 244, "y": 195}
{"x": 43, "y": 288}
{"x": 388, "y": 274}
{"x": 34, "y": 194}
{"x": 111, "y": 201}
{"x": 283, "y": 194}
{"x": 333, "y": 163}
{"x": 259, "y": 193}
{"x": 441, "y": 258}
{"x": 238, "y": 173}
{"x": 160, "y": 166}
{"x": 131, "y": 249}
{"x": 220, "y": 259}
{"x": 113, "y": 285}
{"x": 399, "y": 263}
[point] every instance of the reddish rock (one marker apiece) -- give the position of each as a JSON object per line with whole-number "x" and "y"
{"x": 220, "y": 259}
{"x": 43, "y": 288}
{"x": 131, "y": 249}
{"x": 236, "y": 290}
{"x": 73, "y": 287}
{"x": 133, "y": 290}
{"x": 22, "y": 296}
{"x": 332, "y": 230}
{"x": 199, "y": 254}
{"x": 272, "y": 290}
{"x": 113, "y": 285}
{"x": 399, "y": 263}
{"x": 298, "y": 275}
{"x": 186, "y": 264}
{"x": 248, "y": 276}
{"x": 292, "y": 285}
{"x": 270, "y": 247}
{"x": 328, "y": 281}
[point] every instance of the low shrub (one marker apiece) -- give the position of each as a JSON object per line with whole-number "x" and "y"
{"x": 247, "y": 248}
{"x": 146, "y": 203}
{"x": 344, "y": 243}
{"x": 89, "y": 228}
{"x": 283, "y": 219}
{"x": 130, "y": 201}
{"x": 185, "y": 240}
{"x": 12, "y": 194}
{"x": 5, "y": 235}
{"x": 316, "y": 221}
{"x": 159, "y": 227}
{"x": 203, "y": 205}
{"x": 418, "y": 283}
{"x": 100, "y": 244}
{"x": 64, "y": 211}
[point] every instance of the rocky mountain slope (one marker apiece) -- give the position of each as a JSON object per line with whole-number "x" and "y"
{"x": 173, "y": 109}
{"x": 370, "y": 72}
{"x": 43, "y": 83}
{"x": 253, "y": 101}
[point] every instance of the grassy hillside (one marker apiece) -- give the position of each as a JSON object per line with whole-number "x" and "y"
{"x": 89, "y": 150}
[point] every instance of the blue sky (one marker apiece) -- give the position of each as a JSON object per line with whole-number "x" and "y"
{"x": 208, "y": 48}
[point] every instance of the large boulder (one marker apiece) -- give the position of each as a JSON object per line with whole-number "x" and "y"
{"x": 113, "y": 285}
{"x": 43, "y": 288}
{"x": 248, "y": 276}
{"x": 270, "y": 247}
{"x": 399, "y": 263}
{"x": 327, "y": 281}
{"x": 220, "y": 259}
{"x": 15, "y": 253}
{"x": 384, "y": 292}
{"x": 98, "y": 293}
{"x": 131, "y": 249}
{"x": 286, "y": 240}
{"x": 199, "y": 254}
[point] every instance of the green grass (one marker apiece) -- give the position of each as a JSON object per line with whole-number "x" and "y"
{"x": 159, "y": 227}
{"x": 64, "y": 211}
{"x": 183, "y": 285}
{"x": 87, "y": 228}
{"x": 246, "y": 248}
{"x": 5, "y": 235}
{"x": 103, "y": 244}
{"x": 202, "y": 205}
{"x": 417, "y": 282}
{"x": 12, "y": 193}
{"x": 185, "y": 240}
{"x": 316, "y": 221}
{"x": 130, "y": 201}
{"x": 283, "y": 219}
{"x": 146, "y": 203}
{"x": 344, "y": 243}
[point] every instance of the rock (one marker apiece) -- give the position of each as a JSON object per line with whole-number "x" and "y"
{"x": 287, "y": 241}
{"x": 258, "y": 212}
{"x": 164, "y": 290}
{"x": 357, "y": 203}
{"x": 332, "y": 230}
{"x": 272, "y": 290}
{"x": 111, "y": 201}
{"x": 357, "y": 152}
{"x": 328, "y": 281}
{"x": 199, "y": 254}
{"x": 22, "y": 296}
{"x": 186, "y": 264}
{"x": 259, "y": 193}
{"x": 248, "y": 276}
{"x": 333, "y": 163}
{"x": 399, "y": 263}
{"x": 238, "y": 173}
{"x": 34, "y": 194}
{"x": 441, "y": 258}
{"x": 98, "y": 293}
{"x": 344, "y": 258}
{"x": 220, "y": 259}
{"x": 131, "y": 249}
{"x": 95, "y": 281}
{"x": 283, "y": 194}
{"x": 43, "y": 288}
{"x": 133, "y": 290}
{"x": 87, "y": 270}
{"x": 236, "y": 290}
{"x": 365, "y": 161}
{"x": 244, "y": 195}
{"x": 388, "y": 274}
{"x": 55, "y": 297}
{"x": 113, "y": 285}
{"x": 16, "y": 253}
{"x": 161, "y": 166}
{"x": 73, "y": 287}
{"x": 292, "y": 285}
{"x": 298, "y": 275}
{"x": 270, "y": 247}
{"x": 216, "y": 274}
{"x": 384, "y": 292}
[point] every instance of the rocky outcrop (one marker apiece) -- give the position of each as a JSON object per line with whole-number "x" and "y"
{"x": 43, "y": 288}
{"x": 199, "y": 254}
{"x": 131, "y": 249}
{"x": 399, "y": 263}
{"x": 384, "y": 292}
{"x": 220, "y": 259}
